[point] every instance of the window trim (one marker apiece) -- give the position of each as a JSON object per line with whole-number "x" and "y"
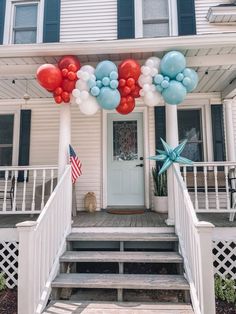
{"x": 16, "y": 132}
{"x": 173, "y": 18}
{"x": 9, "y": 20}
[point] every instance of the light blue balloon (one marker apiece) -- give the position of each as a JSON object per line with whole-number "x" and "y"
{"x": 95, "y": 91}
{"x": 175, "y": 93}
{"x": 165, "y": 84}
{"x": 91, "y": 83}
{"x": 159, "y": 88}
{"x": 180, "y": 77}
{"x": 113, "y": 75}
{"x": 108, "y": 98}
{"x": 114, "y": 84}
{"x": 158, "y": 79}
{"x": 104, "y": 69}
{"x": 166, "y": 78}
{"x": 106, "y": 81}
{"x": 172, "y": 63}
{"x": 192, "y": 83}
{"x": 99, "y": 83}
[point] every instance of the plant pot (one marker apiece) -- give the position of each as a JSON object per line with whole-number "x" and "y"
{"x": 160, "y": 204}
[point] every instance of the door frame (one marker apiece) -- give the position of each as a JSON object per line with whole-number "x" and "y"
{"x": 104, "y": 173}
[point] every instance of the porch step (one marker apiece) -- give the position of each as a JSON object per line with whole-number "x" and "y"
{"x": 65, "y": 307}
{"x": 122, "y": 236}
{"x": 125, "y": 257}
{"x": 121, "y": 281}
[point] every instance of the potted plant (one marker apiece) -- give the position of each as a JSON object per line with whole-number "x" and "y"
{"x": 160, "y": 191}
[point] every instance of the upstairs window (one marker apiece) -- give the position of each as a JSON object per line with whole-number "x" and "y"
{"x": 25, "y": 18}
{"x": 155, "y": 18}
{"x": 6, "y": 139}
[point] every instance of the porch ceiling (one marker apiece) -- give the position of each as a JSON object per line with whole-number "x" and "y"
{"x": 215, "y": 64}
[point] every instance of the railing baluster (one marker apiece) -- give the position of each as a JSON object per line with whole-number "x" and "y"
{"x": 34, "y": 188}
{"x": 185, "y": 174}
{"x": 195, "y": 187}
{"x": 227, "y": 187}
{"x": 43, "y": 189}
{"x": 52, "y": 175}
{"x": 216, "y": 188}
{"x": 15, "y": 190}
{"x": 4, "y": 206}
{"x": 24, "y": 190}
{"x": 206, "y": 188}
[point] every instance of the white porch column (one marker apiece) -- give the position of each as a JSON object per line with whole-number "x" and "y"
{"x": 229, "y": 130}
{"x": 172, "y": 138}
{"x": 64, "y": 138}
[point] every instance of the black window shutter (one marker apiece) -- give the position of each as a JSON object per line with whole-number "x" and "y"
{"x": 24, "y": 143}
{"x": 2, "y": 19}
{"x": 125, "y": 19}
{"x": 218, "y": 132}
{"x": 51, "y": 25}
{"x": 186, "y": 17}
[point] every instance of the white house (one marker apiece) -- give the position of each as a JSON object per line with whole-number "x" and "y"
{"x": 35, "y": 133}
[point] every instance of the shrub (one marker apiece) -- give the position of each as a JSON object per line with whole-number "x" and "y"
{"x": 225, "y": 289}
{"x": 2, "y": 282}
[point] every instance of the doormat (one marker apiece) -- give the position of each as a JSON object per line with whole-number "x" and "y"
{"x": 124, "y": 211}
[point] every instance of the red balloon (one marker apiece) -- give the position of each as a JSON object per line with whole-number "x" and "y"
{"x": 68, "y": 85}
{"x": 72, "y": 76}
{"x": 65, "y": 96}
{"x": 49, "y": 76}
{"x": 72, "y": 67}
{"x": 58, "y": 99}
{"x": 64, "y": 72}
{"x": 130, "y": 82}
{"x": 58, "y": 91}
{"x": 125, "y": 91}
{"x": 126, "y": 105}
{"x": 129, "y": 68}
{"x": 122, "y": 83}
{"x": 66, "y": 61}
{"x": 136, "y": 91}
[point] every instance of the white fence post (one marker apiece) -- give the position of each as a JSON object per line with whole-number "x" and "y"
{"x": 207, "y": 301}
{"x": 26, "y": 275}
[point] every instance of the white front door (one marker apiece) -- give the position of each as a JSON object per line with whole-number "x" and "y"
{"x": 125, "y": 160}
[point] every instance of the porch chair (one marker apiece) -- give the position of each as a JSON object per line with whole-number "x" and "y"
{"x": 232, "y": 189}
{"x": 10, "y": 192}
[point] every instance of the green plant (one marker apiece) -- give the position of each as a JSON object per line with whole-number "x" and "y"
{"x": 160, "y": 183}
{"x": 225, "y": 289}
{"x": 2, "y": 282}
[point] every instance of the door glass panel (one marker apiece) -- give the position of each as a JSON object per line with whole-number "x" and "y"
{"x": 189, "y": 123}
{"x": 125, "y": 142}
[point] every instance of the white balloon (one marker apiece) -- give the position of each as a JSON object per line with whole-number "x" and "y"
{"x": 76, "y": 93}
{"x": 82, "y": 85}
{"x": 89, "y": 106}
{"x": 85, "y": 76}
{"x": 153, "y": 88}
{"x": 142, "y": 93}
{"x": 145, "y": 70}
{"x": 84, "y": 95}
{"x": 143, "y": 79}
{"x": 78, "y": 100}
{"x": 154, "y": 71}
{"x": 93, "y": 77}
{"x": 79, "y": 73}
{"x": 87, "y": 68}
{"x": 156, "y": 61}
{"x": 152, "y": 99}
{"x": 150, "y": 63}
{"x": 146, "y": 87}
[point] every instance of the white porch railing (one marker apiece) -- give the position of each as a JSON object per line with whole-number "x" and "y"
{"x": 40, "y": 245}
{"x": 195, "y": 239}
{"x": 25, "y": 190}
{"x": 210, "y": 185}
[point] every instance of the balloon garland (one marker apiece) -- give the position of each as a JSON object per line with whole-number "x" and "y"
{"x": 108, "y": 87}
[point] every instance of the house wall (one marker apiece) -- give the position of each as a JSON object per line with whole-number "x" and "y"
{"x": 88, "y": 20}
{"x": 234, "y": 121}
{"x": 203, "y": 26}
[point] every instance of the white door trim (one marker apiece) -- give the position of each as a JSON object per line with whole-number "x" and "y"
{"x": 144, "y": 111}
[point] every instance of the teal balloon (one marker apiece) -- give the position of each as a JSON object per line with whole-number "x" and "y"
{"x": 91, "y": 83}
{"x": 175, "y": 93}
{"x": 106, "y": 81}
{"x": 99, "y": 84}
{"x": 104, "y": 69}
{"x": 95, "y": 91}
{"x": 158, "y": 78}
{"x": 108, "y": 98}
{"x": 180, "y": 77}
{"x": 165, "y": 84}
{"x": 159, "y": 88}
{"x": 172, "y": 64}
{"x": 113, "y": 75}
{"x": 166, "y": 78}
{"x": 114, "y": 84}
{"x": 192, "y": 79}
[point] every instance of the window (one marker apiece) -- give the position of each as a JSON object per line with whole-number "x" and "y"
{"x": 155, "y": 18}
{"x": 25, "y": 23}
{"x": 190, "y": 127}
{"x": 6, "y": 139}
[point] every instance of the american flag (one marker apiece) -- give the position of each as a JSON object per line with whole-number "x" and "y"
{"x": 75, "y": 165}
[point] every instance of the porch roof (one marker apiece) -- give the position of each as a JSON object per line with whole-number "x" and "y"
{"x": 213, "y": 56}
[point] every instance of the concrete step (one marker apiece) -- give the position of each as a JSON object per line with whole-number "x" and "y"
{"x": 67, "y": 307}
{"x": 122, "y": 236}
{"x": 121, "y": 281}
{"x": 123, "y": 257}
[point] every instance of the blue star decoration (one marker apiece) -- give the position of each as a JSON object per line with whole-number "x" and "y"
{"x": 170, "y": 155}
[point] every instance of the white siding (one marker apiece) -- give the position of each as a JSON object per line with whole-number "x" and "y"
{"x": 86, "y": 20}
{"x": 234, "y": 122}
{"x": 152, "y": 145}
{"x": 203, "y": 26}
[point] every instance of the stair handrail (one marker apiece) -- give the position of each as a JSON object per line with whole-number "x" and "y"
{"x": 41, "y": 243}
{"x": 195, "y": 242}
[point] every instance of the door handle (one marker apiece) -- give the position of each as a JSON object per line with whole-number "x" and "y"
{"x": 140, "y": 165}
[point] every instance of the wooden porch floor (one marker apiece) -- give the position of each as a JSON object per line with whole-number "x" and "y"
{"x": 104, "y": 219}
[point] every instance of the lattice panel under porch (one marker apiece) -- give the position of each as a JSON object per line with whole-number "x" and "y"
{"x": 224, "y": 254}
{"x": 9, "y": 262}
